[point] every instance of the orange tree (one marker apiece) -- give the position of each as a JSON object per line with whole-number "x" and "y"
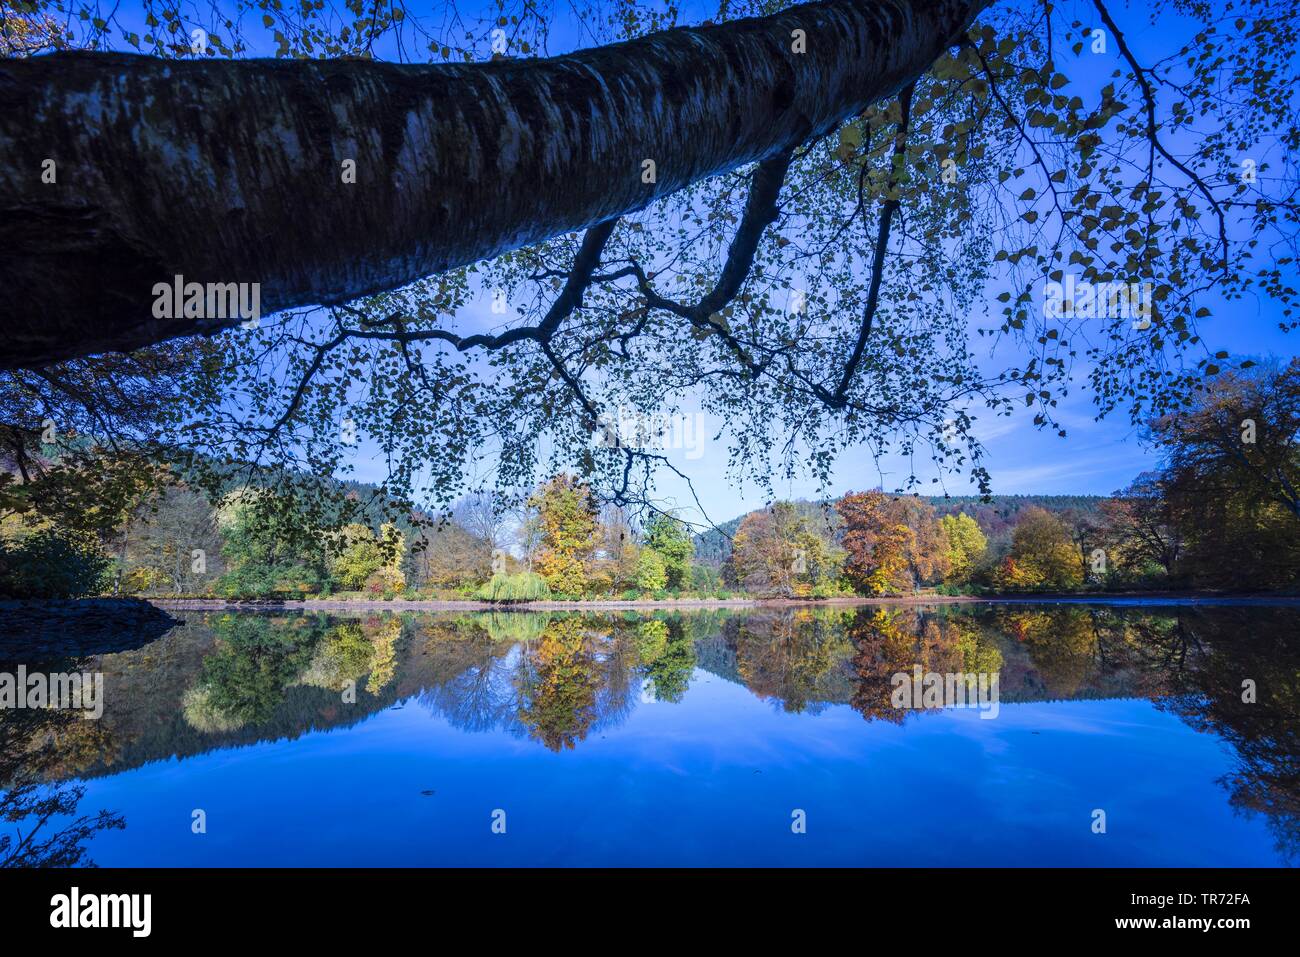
{"x": 876, "y": 545}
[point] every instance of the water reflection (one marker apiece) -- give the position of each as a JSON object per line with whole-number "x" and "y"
{"x": 224, "y": 679}
{"x": 39, "y": 821}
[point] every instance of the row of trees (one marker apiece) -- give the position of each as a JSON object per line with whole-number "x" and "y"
{"x": 169, "y": 538}
{"x": 573, "y": 548}
{"x": 869, "y": 543}
{"x": 1220, "y": 512}
{"x": 559, "y": 544}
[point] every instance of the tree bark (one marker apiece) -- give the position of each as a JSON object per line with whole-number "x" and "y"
{"x": 231, "y": 171}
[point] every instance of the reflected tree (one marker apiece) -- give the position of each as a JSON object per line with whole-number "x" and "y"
{"x": 559, "y": 689}
{"x": 671, "y": 670}
{"x": 39, "y": 823}
{"x": 244, "y": 680}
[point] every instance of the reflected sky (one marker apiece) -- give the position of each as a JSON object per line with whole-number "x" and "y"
{"x": 692, "y": 740}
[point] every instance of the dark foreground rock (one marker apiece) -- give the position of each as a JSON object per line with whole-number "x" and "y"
{"x": 35, "y": 630}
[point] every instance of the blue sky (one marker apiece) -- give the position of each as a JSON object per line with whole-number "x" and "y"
{"x": 1095, "y": 457}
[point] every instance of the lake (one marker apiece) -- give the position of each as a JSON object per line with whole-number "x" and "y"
{"x": 1128, "y": 733}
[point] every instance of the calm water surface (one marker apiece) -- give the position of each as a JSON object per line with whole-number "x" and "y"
{"x": 696, "y": 738}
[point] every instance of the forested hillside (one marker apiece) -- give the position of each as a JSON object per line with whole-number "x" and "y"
{"x": 996, "y": 516}
{"x": 1217, "y": 514}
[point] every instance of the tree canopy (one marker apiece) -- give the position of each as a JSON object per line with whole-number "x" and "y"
{"x": 864, "y": 223}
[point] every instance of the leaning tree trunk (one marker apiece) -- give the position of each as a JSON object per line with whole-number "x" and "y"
{"x": 233, "y": 171}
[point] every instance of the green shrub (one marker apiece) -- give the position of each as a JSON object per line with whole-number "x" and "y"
{"x": 273, "y": 581}
{"x": 631, "y": 595}
{"x": 511, "y": 626}
{"x": 524, "y": 586}
{"x": 705, "y": 580}
{"x": 52, "y": 563}
{"x": 651, "y": 573}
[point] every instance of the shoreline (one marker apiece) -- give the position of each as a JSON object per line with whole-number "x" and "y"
{"x": 331, "y": 604}
{"x": 52, "y": 617}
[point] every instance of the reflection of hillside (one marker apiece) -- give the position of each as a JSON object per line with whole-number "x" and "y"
{"x": 154, "y": 695}
{"x": 227, "y": 680}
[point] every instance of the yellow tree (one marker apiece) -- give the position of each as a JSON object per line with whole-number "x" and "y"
{"x": 392, "y": 549}
{"x": 560, "y": 685}
{"x": 1042, "y": 554}
{"x": 966, "y": 543}
{"x": 927, "y": 552}
{"x": 569, "y": 532}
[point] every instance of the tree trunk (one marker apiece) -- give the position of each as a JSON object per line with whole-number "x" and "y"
{"x": 232, "y": 171}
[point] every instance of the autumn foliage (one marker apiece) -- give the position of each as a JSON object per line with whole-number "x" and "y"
{"x": 891, "y": 544}
{"x": 570, "y": 532}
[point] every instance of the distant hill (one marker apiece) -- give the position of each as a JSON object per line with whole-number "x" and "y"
{"x": 996, "y": 517}
{"x": 338, "y": 497}
{"x": 714, "y": 546}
